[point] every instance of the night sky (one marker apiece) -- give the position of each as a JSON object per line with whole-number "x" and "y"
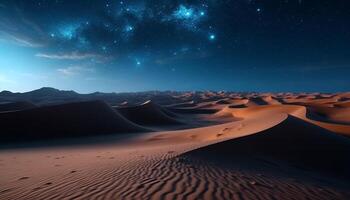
{"x": 127, "y": 46}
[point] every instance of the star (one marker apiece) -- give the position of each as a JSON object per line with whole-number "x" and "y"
{"x": 212, "y": 37}
{"x": 129, "y": 28}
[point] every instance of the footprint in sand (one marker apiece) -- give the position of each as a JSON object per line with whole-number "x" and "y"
{"x": 223, "y": 131}
{"x": 6, "y": 190}
{"x": 23, "y": 178}
{"x": 226, "y": 129}
{"x": 37, "y": 188}
{"x": 139, "y": 186}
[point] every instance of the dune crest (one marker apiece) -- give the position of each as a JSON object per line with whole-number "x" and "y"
{"x": 291, "y": 141}
{"x": 148, "y": 113}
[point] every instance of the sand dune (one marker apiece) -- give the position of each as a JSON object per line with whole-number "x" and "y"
{"x": 149, "y": 113}
{"x": 183, "y": 105}
{"x": 291, "y": 141}
{"x": 249, "y": 146}
{"x": 66, "y": 120}
{"x": 333, "y": 114}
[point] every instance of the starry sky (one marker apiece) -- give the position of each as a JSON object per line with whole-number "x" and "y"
{"x": 127, "y": 46}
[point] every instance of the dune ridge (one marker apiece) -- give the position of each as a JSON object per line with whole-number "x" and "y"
{"x": 292, "y": 140}
{"x": 149, "y": 113}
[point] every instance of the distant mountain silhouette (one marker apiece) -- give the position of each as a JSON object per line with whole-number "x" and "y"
{"x": 48, "y": 91}
{"x": 48, "y": 95}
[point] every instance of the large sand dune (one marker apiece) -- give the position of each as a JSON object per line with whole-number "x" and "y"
{"x": 292, "y": 141}
{"x": 250, "y": 146}
{"x": 66, "y": 120}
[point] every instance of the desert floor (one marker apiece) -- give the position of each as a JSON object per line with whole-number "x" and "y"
{"x": 218, "y": 146}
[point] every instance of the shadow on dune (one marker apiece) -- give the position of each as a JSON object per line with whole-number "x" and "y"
{"x": 65, "y": 120}
{"x": 330, "y": 115}
{"x": 293, "y": 142}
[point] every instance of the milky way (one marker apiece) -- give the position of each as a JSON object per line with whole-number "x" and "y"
{"x": 249, "y": 42}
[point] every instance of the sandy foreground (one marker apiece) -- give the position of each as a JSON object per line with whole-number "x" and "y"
{"x": 266, "y": 146}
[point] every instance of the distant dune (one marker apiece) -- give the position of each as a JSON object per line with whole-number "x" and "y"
{"x": 148, "y": 113}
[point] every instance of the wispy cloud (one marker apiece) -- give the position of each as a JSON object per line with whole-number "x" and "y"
{"x": 75, "y": 70}
{"x": 69, "y": 56}
{"x": 17, "y": 28}
{"x": 20, "y": 40}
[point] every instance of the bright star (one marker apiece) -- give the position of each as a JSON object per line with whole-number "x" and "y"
{"x": 138, "y": 62}
{"x": 258, "y": 9}
{"x": 211, "y": 37}
{"x": 129, "y": 28}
